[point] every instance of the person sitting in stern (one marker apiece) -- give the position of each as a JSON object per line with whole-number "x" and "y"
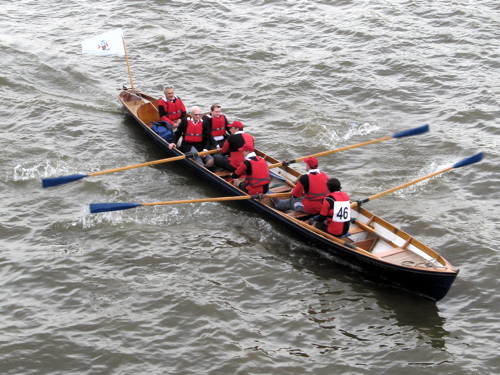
{"x": 171, "y": 107}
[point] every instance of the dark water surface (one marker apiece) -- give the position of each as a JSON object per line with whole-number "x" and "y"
{"x": 213, "y": 288}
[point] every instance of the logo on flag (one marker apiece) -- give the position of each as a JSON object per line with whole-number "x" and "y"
{"x": 110, "y": 43}
{"x": 103, "y": 46}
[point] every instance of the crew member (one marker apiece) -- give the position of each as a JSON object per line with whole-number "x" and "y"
{"x": 218, "y": 124}
{"x": 308, "y": 193}
{"x": 232, "y": 146}
{"x": 255, "y": 171}
{"x": 171, "y": 107}
{"x": 336, "y": 210}
{"x": 195, "y": 137}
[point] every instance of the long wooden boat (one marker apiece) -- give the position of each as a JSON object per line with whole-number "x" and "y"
{"x": 381, "y": 251}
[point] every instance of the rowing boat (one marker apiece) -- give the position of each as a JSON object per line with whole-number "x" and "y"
{"x": 380, "y": 250}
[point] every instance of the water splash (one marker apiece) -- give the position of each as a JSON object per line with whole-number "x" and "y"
{"x": 32, "y": 170}
{"x": 431, "y": 167}
{"x": 144, "y": 216}
{"x": 355, "y": 130}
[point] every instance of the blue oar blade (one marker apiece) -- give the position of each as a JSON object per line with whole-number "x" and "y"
{"x": 105, "y": 207}
{"x": 469, "y": 160}
{"x": 410, "y": 132}
{"x": 54, "y": 181}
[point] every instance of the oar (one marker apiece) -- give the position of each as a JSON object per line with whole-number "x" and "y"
{"x": 289, "y": 181}
{"x": 470, "y": 160}
{"x": 404, "y": 133}
{"x": 105, "y": 207}
{"x": 54, "y": 181}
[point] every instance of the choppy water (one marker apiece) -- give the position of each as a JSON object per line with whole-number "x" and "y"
{"x": 213, "y": 288}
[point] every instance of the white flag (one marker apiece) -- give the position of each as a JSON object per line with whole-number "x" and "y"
{"x": 110, "y": 43}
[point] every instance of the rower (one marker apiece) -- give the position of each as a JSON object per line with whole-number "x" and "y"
{"x": 195, "y": 137}
{"x": 336, "y": 210}
{"x": 232, "y": 146}
{"x": 255, "y": 170}
{"x": 308, "y": 193}
{"x": 218, "y": 125}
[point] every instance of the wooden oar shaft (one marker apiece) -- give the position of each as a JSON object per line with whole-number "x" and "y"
{"x": 468, "y": 161}
{"x": 153, "y": 162}
{"x": 325, "y": 153}
{"x": 409, "y": 183}
{"x": 381, "y": 194}
{"x": 344, "y": 148}
{"x": 219, "y": 199}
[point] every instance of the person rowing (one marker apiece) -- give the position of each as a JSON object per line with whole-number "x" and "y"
{"x": 218, "y": 124}
{"x": 308, "y": 193}
{"x": 195, "y": 136}
{"x": 232, "y": 147}
{"x": 335, "y": 210}
{"x": 255, "y": 171}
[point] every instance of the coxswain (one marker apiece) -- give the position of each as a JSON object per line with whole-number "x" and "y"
{"x": 171, "y": 107}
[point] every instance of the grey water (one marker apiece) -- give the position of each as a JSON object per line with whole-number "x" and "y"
{"x": 214, "y": 288}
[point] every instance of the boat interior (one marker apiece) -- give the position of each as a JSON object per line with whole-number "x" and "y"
{"x": 368, "y": 234}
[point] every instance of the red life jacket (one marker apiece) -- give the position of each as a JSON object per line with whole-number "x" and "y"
{"x": 260, "y": 175}
{"x": 173, "y": 109}
{"x": 313, "y": 198}
{"x": 236, "y": 157}
{"x": 194, "y": 132}
{"x": 338, "y": 228}
{"x": 219, "y": 126}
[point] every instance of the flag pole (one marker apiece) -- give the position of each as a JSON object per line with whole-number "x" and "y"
{"x": 128, "y": 65}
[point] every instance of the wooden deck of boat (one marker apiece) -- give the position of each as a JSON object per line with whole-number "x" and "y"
{"x": 146, "y": 109}
{"x": 403, "y": 257}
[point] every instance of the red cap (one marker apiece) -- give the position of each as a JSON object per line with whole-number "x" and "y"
{"x": 246, "y": 147}
{"x": 312, "y": 162}
{"x": 236, "y": 124}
